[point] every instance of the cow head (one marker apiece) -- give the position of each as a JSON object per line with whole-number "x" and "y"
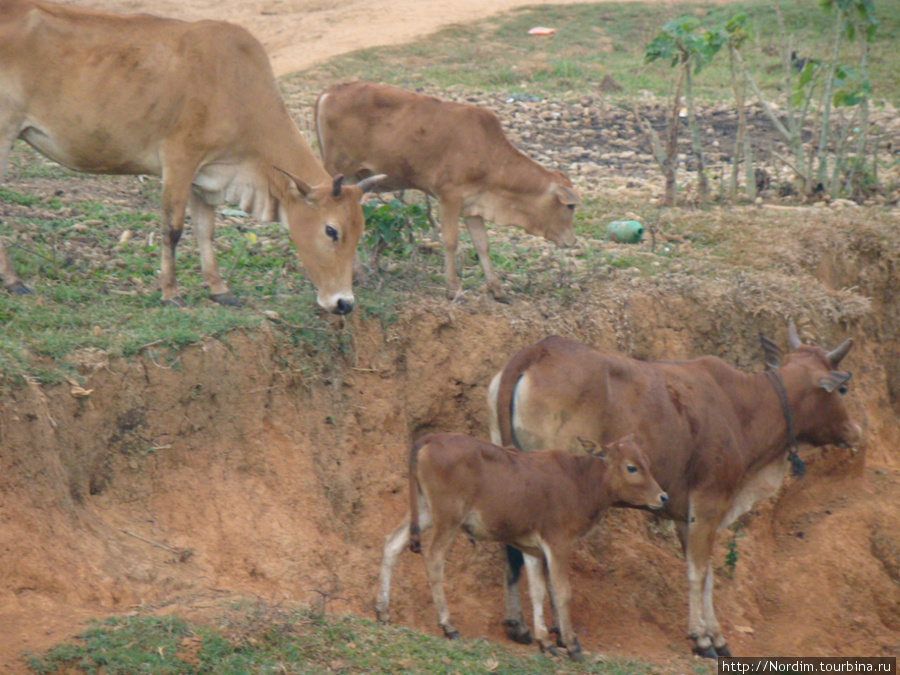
{"x": 548, "y": 212}
{"x": 816, "y": 390}
{"x": 628, "y": 477}
{"x": 326, "y": 222}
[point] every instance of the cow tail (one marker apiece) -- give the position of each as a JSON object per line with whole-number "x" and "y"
{"x": 415, "y": 543}
{"x": 521, "y": 361}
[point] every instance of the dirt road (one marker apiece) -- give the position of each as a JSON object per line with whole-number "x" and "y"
{"x": 298, "y": 33}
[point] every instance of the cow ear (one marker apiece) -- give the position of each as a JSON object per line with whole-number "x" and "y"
{"x": 371, "y": 183}
{"x": 590, "y": 447}
{"x": 305, "y": 189}
{"x": 834, "y": 380}
{"x": 772, "y": 352}
{"x": 566, "y": 195}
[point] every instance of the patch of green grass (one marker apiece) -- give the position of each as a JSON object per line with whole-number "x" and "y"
{"x": 14, "y": 197}
{"x": 595, "y": 41}
{"x": 30, "y": 164}
{"x": 95, "y": 288}
{"x": 255, "y": 638}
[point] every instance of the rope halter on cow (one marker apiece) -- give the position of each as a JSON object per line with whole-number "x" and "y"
{"x": 798, "y": 468}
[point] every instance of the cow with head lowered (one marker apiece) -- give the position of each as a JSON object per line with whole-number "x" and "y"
{"x": 719, "y": 440}
{"x": 193, "y": 102}
{"x": 455, "y": 152}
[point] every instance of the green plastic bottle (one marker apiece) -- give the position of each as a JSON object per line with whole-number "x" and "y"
{"x": 625, "y": 231}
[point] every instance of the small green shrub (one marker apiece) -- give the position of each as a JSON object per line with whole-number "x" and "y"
{"x": 391, "y": 227}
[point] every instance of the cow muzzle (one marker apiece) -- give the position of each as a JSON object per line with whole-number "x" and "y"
{"x": 852, "y": 436}
{"x": 336, "y": 304}
{"x": 565, "y": 239}
{"x": 660, "y": 501}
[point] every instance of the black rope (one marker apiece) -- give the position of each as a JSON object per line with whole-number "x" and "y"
{"x": 798, "y": 468}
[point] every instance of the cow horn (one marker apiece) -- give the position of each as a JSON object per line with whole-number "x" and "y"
{"x": 370, "y": 183}
{"x": 336, "y": 185}
{"x": 835, "y": 355}
{"x": 793, "y": 338}
{"x": 772, "y": 352}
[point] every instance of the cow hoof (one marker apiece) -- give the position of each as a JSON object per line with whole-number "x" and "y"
{"x": 706, "y": 652}
{"x": 517, "y": 632}
{"x": 19, "y": 288}
{"x": 501, "y": 297}
{"x": 724, "y": 652}
{"x": 555, "y": 631}
{"x": 383, "y": 615}
{"x": 575, "y": 652}
{"x": 549, "y": 649}
{"x": 576, "y": 655}
{"x": 226, "y": 299}
{"x": 177, "y": 301}
{"x": 451, "y": 634}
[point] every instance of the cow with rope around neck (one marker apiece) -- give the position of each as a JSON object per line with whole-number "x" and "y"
{"x": 719, "y": 440}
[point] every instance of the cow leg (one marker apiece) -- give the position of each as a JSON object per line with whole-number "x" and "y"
{"x": 701, "y": 536}
{"x": 11, "y": 281}
{"x": 176, "y": 184}
{"x": 557, "y": 563}
{"x": 514, "y": 620}
{"x": 475, "y": 224}
{"x": 394, "y": 544}
{"x": 537, "y": 590}
{"x": 204, "y": 217}
{"x": 450, "y": 213}
{"x": 709, "y": 612}
{"x": 434, "y": 568}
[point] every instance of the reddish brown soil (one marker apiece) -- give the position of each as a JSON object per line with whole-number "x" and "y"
{"x": 263, "y": 483}
{"x": 241, "y": 474}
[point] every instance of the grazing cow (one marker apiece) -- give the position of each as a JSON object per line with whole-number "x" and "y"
{"x": 195, "y": 103}
{"x": 538, "y": 502}
{"x": 454, "y": 152}
{"x": 718, "y": 438}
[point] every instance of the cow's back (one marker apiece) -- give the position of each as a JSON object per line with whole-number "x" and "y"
{"x": 102, "y": 92}
{"x": 564, "y": 391}
{"x": 420, "y": 142}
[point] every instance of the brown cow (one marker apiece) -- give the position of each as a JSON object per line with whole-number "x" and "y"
{"x": 538, "y": 502}
{"x": 454, "y": 152}
{"x": 718, "y": 438}
{"x": 195, "y": 103}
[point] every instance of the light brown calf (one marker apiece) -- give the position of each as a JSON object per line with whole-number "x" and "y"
{"x": 719, "y": 439}
{"x": 540, "y": 502}
{"x": 455, "y": 152}
{"x": 195, "y": 103}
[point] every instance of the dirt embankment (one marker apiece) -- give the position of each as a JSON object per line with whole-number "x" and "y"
{"x": 249, "y": 471}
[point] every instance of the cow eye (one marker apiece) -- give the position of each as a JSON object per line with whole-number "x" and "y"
{"x": 842, "y": 389}
{"x": 331, "y": 232}
{"x": 571, "y": 207}
{"x": 631, "y": 468}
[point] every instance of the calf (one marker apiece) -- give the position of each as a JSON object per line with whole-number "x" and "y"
{"x": 457, "y": 153}
{"x": 719, "y": 439}
{"x": 541, "y": 503}
{"x": 195, "y": 103}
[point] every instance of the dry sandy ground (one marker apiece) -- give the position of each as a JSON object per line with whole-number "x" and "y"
{"x": 298, "y": 33}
